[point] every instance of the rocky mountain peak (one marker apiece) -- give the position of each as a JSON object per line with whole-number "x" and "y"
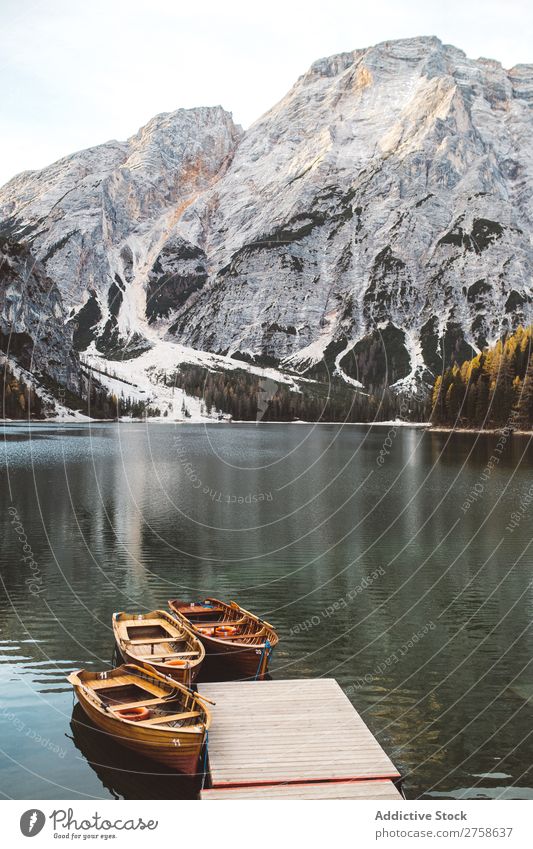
{"x": 377, "y": 219}
{"x": 98, "y": 218}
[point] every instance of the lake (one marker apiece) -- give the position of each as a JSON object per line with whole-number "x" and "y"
{"x": 397, "y": 561}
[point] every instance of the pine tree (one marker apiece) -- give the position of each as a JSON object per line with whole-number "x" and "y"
{"x": 491, "y": 388}
{"x": 502, "y": 395}
{"x": 524, "y": 402}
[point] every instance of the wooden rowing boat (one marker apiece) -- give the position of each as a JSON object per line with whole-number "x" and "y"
{"x": 230, "y": 633}
{"x": 157, "y": 641}
{"x": 137, "y": 777}
{"x": 144, "y": 711}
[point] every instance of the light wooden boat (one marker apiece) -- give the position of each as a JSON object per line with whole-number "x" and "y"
{"x": 144, "y": 711}
{"x": 137, "y": 777}
{"x": 157, "y": 641}
{"x": 230, "y": 633}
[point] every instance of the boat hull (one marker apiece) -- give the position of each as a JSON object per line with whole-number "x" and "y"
{"x": 179, "y": 750}
{"x": 156, "y": 633}
{"x": 184, "y": 676}
{"x": 247, "y": 661}
{"x": 248, "y": 653}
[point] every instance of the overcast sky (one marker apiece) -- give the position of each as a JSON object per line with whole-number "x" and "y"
{"x": 77, "y": 73}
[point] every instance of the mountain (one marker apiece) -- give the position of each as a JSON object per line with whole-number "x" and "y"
{"x": 35, "y": 343}
{"x": 98, "y": 219}
{"x": 40, "y": 371}
{"x": 371, "y": 228}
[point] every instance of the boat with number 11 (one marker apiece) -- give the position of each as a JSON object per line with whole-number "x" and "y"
{"x": 156, "y": 717}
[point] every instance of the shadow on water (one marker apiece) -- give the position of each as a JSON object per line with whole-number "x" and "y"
{"x": 122, "y": 772}
{"x": 213, "y": 670}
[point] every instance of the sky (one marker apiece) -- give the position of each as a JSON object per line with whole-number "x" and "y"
{"x": 77, "y": 73}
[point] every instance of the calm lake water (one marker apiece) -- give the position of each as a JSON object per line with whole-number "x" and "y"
{"x": 370, "y": 565}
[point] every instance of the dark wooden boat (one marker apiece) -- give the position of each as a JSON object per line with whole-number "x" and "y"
{"x": 230, "y": 633}
{"x": 144, "y": 711}
{"x": 158, "y": 641}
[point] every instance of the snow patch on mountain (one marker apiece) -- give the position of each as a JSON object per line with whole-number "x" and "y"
{"x": 149, "y": 378}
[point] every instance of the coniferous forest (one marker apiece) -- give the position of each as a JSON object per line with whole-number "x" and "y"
{"x": 247, "y": 397}
{"x": 19, "y": 400}
{"x": 492, "y": 390}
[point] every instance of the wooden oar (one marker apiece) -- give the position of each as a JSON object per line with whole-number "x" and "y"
{"x": 253, "y": 616}
{"x": 203, "y": 698}
{"x": 187, "y": 689}
{"x": 93, "y": 696}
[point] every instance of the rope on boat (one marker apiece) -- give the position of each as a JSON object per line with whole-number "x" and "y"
{"x": 268, "y": 649}
{"x": 204, "y": 768}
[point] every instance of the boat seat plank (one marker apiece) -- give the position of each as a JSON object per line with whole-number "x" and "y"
{"x": 235, "y": 637}
{"x": 170, "y": 717}
{"x": 110, "y": 683}
{"x": 169, "y": 654}
{"x": 102, "y": 683}
{"x": 220, "y": 622}
{"x": 119, "y": 682}
{"x": 187, "y": 653}
{"x": 148, "y": 641}
{"x": 141, "y": 623}
{"x": 126, "y": 705}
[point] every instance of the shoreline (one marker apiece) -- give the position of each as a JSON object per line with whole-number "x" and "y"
{"x": 427, "y": 426}
{"x": 87, "y": 421}
{"x": 495, "y": 431}
{"x": 391, "y": 423}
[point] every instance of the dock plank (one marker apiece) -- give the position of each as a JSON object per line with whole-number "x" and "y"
{"x": 380, "y": 790}
{"x": 285, "y": 732}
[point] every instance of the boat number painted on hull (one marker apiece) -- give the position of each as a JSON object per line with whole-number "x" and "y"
{"x": 176, "y": 742}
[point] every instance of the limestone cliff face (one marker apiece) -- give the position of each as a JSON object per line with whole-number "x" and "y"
{"x": 33, "y": 334}
{"x": 378, "y": 217}
{"x": 388, "y": 194}
{"x": 98, "y": 219}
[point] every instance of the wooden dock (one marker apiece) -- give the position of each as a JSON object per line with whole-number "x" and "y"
{"x": 292, "y": 739}
{"x": 382, "y": 791}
